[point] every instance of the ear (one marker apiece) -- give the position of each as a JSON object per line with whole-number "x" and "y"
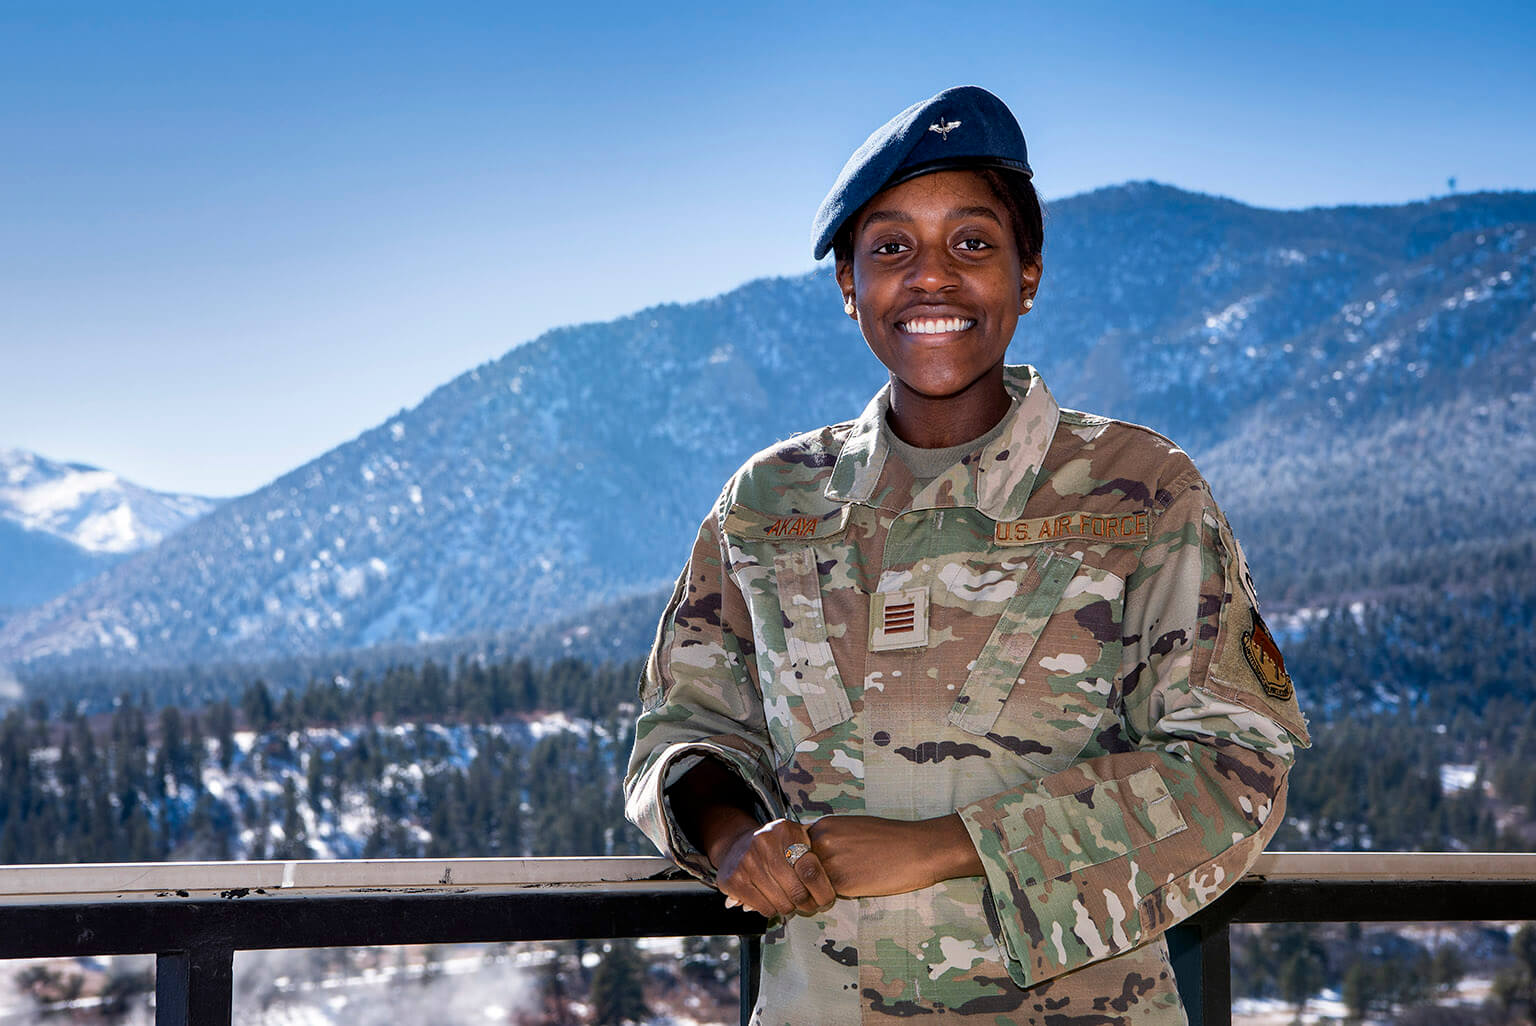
{"x": 843, "y": 272}
{"x": 1029, "y": 280}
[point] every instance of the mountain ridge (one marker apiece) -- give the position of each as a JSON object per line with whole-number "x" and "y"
{"x": 570, "y": 472}
{"x": 62, "y": 523}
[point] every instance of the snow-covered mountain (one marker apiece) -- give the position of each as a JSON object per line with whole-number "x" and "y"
{"x": 61, "y": 523}
{"x": 1356, "y": 381}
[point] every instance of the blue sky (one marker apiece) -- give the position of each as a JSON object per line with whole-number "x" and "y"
{"x": 230, "y": 241}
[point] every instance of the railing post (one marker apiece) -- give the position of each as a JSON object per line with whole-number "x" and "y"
{"x": 1183, "y": 943}
{"x": 1216, "y": 974}
{"x": 1201, "y": 954}
{"x": 747, "y": 980}
{"x": 195, "y": 987}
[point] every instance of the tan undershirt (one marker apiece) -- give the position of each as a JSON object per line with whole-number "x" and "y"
{"x": 927, "y": 464}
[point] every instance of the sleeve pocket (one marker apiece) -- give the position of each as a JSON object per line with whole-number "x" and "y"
{"x": 1099, "y": 824}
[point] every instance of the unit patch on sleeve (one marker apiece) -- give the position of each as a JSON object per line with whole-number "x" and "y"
{"x": 1235, "y": 655}
{"x": 1114, "y": 528}
{"x": 1267, "y": 662}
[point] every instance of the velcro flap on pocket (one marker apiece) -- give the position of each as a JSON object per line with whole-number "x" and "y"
{"x": 1151, "y": 812}
{"x": 1013, "y": 637}
{"x": 1098, "y": 824}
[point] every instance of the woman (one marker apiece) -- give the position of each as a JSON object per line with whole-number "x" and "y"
{"x": 971, "y": 693}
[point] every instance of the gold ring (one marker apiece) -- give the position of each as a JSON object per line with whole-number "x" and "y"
{"x": 795, "y": 852}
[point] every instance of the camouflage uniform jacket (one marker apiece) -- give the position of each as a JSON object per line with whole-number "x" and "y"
{"x": 1056, "y": 638}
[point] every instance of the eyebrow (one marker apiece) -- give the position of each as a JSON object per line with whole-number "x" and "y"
{"x": 958, "y": 213}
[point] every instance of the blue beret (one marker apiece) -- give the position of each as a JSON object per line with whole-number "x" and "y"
{"x": 961, "y": 127}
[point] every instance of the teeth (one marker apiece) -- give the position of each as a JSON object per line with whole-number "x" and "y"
{"x": 937, "y": 326}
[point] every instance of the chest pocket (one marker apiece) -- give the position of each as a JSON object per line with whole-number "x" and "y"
{"x": 811, "y": 697}
{"x": 1030, "y": 717}
{"x": 774, "y": 560}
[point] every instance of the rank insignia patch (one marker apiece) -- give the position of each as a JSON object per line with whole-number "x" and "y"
{"x": 898, "y": 619}
{"x": 1268, "y": 665}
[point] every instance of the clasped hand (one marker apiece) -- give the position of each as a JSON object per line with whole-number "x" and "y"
{"x": 850, "y": 857}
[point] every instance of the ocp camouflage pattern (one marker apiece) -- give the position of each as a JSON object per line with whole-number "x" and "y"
{"x": 1083, "y": 697}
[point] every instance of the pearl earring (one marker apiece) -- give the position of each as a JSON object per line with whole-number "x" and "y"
{"x": 848, "y": 305}
{"x": 1028, "y": 303}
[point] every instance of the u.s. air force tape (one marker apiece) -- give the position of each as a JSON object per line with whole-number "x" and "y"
{"x": 1114, "y": 528}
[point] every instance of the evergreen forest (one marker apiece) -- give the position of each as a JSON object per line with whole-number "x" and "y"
{"x": 1422, "y": 742}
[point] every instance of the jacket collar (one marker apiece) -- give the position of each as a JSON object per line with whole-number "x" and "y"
{"x": 997, "y": 482}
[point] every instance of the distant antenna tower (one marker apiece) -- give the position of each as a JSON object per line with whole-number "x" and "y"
{"x": 1451, "y": 183}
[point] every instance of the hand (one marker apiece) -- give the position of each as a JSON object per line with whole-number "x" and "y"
{"x": 751, "y": 871}
{"x": 867, "y": 856}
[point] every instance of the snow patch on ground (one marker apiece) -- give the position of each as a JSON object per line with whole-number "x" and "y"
{"x": 1455, "y": 778}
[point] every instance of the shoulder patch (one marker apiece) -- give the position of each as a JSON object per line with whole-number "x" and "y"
{"x": 1267, "y": 662}
{"x": 1237, "y": 656}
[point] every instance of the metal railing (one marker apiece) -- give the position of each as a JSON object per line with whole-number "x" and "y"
{"x": 193, "y": 916}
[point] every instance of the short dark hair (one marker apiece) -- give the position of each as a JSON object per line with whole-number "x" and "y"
{"x": 1018, "y": 197}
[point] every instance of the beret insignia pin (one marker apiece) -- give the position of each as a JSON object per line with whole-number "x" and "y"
{"x": 943, "y": 128}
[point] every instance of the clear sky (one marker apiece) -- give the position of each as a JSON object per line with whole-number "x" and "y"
{"x": 232, "y": 240}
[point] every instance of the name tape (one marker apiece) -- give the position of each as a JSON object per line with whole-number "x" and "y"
{"x": 750, "y": 523}
{"x": 792, "y": 527}
{"x": 1117, "y": 528}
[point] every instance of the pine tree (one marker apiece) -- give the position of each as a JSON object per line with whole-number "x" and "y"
{"x": 258, "y": 708}
{"x": 1303, "y": 963}
{"x": 295, "y": 844}
{"x": 221, "y": 720}
{"x": 617, "y": 994}
{"x": 174, "y": 757}
{"x": 314, "y": 780}
{"x": 1359, "y": 991}
{"x": 196, "y": 754}
{"x": 1515, "y": 986}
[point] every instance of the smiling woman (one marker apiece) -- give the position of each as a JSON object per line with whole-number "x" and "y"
{"x": 963, "y": 692}
{"x": 939, "y": 291}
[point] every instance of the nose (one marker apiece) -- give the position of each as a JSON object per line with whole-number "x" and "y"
{"x": 932, "y": 270}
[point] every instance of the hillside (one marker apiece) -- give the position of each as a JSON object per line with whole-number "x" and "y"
{"x": 1347, "y": 378}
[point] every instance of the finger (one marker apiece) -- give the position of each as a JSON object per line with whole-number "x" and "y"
{"x": 741, "y": 879}
{"x": 780, "y": 886}
{"x": 777, "y": 878}
{"x": 811, "y": 874}
{"x": 817, "y": 883}
{"x": 733, "y": 903}
{"x": 767, "y": 899}
{"x": 745, "y": 894}
{"x": 752, "y": 878}
{"x": 814, "y": 891}
{"x": 755, "y": 887}
{"x": 792, "y": 878}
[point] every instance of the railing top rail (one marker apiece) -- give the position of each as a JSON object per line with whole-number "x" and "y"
{"x": 48, "y": 884}
{"x": 137, "y": 881}
{"x": 1385, "y": 866}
